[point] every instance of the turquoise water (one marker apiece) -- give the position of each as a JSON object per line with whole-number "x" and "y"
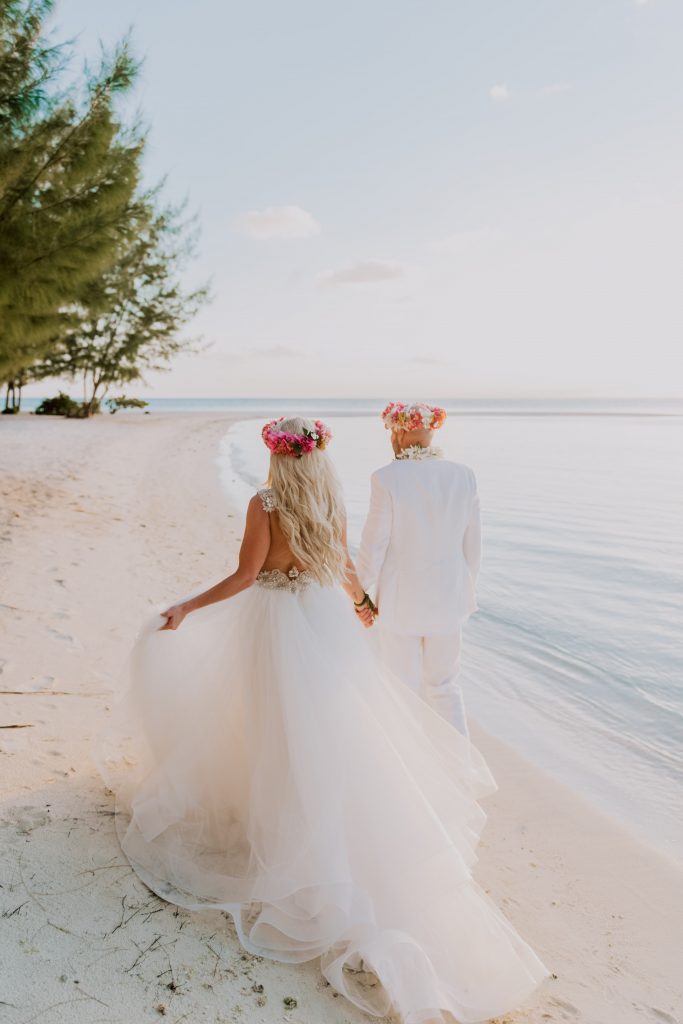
{"x": 369, "y": 406}
{"x": 576, "y": 655}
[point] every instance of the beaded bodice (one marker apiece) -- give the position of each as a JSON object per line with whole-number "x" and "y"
{"x": 294, "y": 580}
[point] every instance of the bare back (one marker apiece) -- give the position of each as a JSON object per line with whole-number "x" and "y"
{"x": 279, "y": 553}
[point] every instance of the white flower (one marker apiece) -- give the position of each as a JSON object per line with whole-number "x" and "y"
{"x": 416, "y": 451}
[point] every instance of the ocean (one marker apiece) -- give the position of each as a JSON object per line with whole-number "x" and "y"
{"x": 369, "y": 406}
{"x": 575, "y": 657}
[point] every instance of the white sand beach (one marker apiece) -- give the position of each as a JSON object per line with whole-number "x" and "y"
{"x": 99, "y": 520}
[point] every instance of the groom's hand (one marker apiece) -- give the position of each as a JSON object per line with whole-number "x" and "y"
{"x": 366, "y": 616}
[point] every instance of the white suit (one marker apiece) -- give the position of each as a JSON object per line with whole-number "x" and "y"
{"x": 419, "y": 560}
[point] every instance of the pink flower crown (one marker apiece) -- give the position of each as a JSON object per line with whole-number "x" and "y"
{"x": 415, "y": 416}
{"x": 283, "y": 442}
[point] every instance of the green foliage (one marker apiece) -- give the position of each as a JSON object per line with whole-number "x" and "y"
{"x": 128, "y": 320}
{"x": 68, "y": 174}
{"x": 90, "y": 266}
{"x": 114, "y": 404}
{"x": 27, "y": 64}
{"x": 61, "y": 405}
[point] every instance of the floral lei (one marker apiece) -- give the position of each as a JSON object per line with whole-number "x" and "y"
{"x": 416, "y": 451}
{"x": 283, "y": 442}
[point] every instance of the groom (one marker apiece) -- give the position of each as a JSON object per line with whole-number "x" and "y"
{"x": 419, "y": 558}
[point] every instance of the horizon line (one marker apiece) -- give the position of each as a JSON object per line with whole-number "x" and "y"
{"x": 380, "y": 398}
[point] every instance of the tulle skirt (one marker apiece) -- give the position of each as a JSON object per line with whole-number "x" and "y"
{"x": 264, "y": 764}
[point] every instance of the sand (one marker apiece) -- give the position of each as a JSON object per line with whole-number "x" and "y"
{"x": 100, "y": 520}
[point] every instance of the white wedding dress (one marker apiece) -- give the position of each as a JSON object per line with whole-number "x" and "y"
{"x": 264, "y": 764}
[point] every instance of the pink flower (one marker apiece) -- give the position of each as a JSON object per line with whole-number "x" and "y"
{"x": 284, "y": 442}
{"x": 324, "y": 434}
{"x": 416, "y": 416}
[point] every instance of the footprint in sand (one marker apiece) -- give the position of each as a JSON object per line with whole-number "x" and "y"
{"x": 568, "y": 1009}
{"x": 44, "y": 683}
{"x": 66, "y": 638}
{"x": 27, "y": 818}
{"x": 662, "y": 1015}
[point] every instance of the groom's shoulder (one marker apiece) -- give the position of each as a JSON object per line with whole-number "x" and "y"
{"x": 460, "y": 467}
{"x": 461, "y": 470}
{"x": 385, "y": 473}
{"x": 394, "y": 470}
{"x": 457, "y": 475}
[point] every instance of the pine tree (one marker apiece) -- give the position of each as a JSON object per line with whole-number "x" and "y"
{"x": 128, "y": 319}
{"x": 69, "y": 170}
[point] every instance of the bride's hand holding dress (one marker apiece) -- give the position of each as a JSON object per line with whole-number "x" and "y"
{"x": 253, "y": 554}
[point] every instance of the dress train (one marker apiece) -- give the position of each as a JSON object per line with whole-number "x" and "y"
{"x": 263, "y": 763}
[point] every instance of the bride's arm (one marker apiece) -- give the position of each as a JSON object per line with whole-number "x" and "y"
{"x": 253, "y": 551}
{"x": 353, "y": 588}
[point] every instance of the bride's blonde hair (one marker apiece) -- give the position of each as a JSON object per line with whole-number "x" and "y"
{"x": 310, "y": 506}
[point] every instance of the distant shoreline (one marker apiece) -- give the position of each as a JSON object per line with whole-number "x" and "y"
{"x": 247, "y": 408}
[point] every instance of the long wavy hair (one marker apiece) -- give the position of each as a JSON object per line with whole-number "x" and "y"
{"x": 310, "y": 507}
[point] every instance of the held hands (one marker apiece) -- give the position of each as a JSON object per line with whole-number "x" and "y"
{"x": 366, "y": 617}
{"x": 366, "y": 610}
{"x": 174, "y": 616}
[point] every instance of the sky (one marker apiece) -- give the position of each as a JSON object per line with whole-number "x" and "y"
{"x": 457, "y": 198}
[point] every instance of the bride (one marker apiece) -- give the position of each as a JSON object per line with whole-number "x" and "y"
{"x": 264, "y": 764}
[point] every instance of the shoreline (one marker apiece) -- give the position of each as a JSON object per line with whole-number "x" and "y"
{"x": 101, "y": 520}
{"x": 641, "y": 409}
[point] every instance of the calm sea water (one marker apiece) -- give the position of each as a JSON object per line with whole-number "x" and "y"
{"x": 576, "y": 655}
{"x": 357, "y": 406}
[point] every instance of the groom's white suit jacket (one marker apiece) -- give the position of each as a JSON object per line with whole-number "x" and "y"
{"x": 421, "y": 545}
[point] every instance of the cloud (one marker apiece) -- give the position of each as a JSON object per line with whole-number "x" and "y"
{"x": 641, "y": 3}
{"x": 499, "y": 93}
{"x": 279, "y": 222}
{"x": 363, "y": 272}
{"x": 557, "y": 87}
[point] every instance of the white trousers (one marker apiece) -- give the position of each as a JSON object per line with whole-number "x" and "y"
{"x": 430, "y": 666}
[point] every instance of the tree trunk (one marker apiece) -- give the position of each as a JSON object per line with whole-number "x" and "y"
{"x": 89, "y": 404}
{"x": 10, "y": 397}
